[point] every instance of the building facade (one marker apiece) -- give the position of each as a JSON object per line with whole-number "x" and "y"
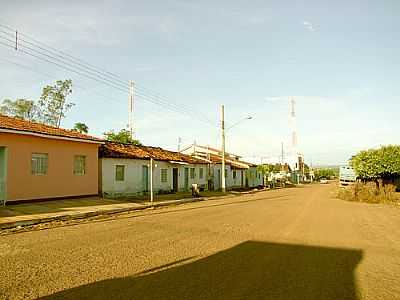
{"x": 42, "y": 162}
{"x": 124, "y": 170}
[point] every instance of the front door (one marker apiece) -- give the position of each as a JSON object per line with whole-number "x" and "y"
{"x": 186, "y": 179}
{"x": 3, "y": 174}
{"x": 175, "y": 179}
{"x": 145, "y": 178}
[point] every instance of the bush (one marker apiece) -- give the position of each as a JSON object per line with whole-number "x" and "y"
{"x": 369, "y": 193}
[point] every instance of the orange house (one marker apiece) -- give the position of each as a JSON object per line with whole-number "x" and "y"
{"x": 44, "y": 162}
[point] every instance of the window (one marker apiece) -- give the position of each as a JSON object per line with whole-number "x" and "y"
{"x": 119, "y": 173}
{"x": 79, "y": 165}
{"x": 201, "y": 173}
{"x": 39, "y": 163}
{"x": 164, "y": 175}
{"x": 226, "y": 172}
{"x": 192, "y": 173}
{"x": 234, "y": 174}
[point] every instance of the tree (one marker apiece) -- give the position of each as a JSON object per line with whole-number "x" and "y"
{"x": 53, "y": 103}
{"x": 20, "y": 108}
{"x": 123, "y": 136}
{"x": 81, "y": 127}
{"x": 373, "y": 164}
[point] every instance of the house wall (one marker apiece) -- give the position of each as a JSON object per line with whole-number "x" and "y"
{"x": 59, "y": 180}
{"x": 255, "y": 178}
{"x": 133, "y": 181}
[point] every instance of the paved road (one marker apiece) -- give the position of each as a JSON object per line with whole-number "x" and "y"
{"x": 285, "y": 244}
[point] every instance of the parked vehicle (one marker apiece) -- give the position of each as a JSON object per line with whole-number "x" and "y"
{"x": 347, "y": 175}
{"x": 323, "y": 180}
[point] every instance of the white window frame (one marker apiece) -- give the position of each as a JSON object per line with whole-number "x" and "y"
{"x": 39, "y": 163}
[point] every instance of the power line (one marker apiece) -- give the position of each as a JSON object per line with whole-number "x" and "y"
{"x": 82, "y": 68}
{"x": 52, "y": 76}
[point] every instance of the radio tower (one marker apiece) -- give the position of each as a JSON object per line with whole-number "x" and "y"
{"x": 293, "y": 125}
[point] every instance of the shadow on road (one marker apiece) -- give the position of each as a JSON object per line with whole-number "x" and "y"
{"x": 251, "y": 270}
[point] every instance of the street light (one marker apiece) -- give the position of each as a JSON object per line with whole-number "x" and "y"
{"x": 223, "y": 186}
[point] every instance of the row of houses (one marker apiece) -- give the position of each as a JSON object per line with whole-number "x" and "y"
{"x": 41, "y": 162}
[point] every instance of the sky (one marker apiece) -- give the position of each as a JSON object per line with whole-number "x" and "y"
{"x": 337, "y": 59}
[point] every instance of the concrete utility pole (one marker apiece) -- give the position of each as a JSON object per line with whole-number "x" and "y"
{"x": 179, "y": 144}
{"x": 282, "y": 168}
{"x": 223, "y": 188}
{"x": 130, "y": 107}
{"x": 151, "y": 181}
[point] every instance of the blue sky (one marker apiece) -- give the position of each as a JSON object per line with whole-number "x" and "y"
{"x": 338, "y": 59}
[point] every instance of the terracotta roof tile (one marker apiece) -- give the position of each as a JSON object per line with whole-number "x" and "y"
{"x": 117, "y": 150}
{"x": 38, "y": 128}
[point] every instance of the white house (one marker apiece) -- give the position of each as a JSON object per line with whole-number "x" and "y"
{"x": 238, "y": 173}
{"x": 125, "y": 170}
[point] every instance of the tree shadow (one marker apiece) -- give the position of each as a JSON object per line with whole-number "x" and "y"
{"x": 250, "y": 270}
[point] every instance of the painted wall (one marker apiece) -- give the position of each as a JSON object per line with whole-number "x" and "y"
{"x": 254, "y": 177}
{"x": 3, "y": 173}
{"x": 133, "y": 180}
{"x": 59, "y": 180}
{"x": 230, "y": 182}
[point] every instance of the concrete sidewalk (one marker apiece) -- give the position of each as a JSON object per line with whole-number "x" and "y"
{"x": 20, "y": 215}
{"x": 62, "y": 210}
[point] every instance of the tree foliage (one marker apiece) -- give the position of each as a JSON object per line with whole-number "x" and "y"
{"x": 123, "y": 136}
{"x": 325, "y": 173}
{"x": 377, "y": 163}
{"x": 49, "y": 109}
{"x": 53, "y": 104}
{"x": 81, "y": 127}
{"x": 20, "y": 108}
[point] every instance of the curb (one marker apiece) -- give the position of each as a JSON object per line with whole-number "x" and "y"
{"x": 89, "y": 214}
{"x": 24, "y": 223}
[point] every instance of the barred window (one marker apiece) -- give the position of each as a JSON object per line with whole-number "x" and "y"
{"x": 164, "y": 175}
{"x": 201, "y": 173}
{"x": 39, "y": 163}
{"x": 192, "y": 173}
{"x": 234, "y": 174}
{"x": 79, "y": 165}
{"x": 119, "y": 173}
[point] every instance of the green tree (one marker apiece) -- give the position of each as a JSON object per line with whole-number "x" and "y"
{"x": 123, "y": 136}
{"x": 53, "y": 103}
{"x": 377, "y": 163}
{"x": 81, "y": 127}
{"x": 20, "y": 108}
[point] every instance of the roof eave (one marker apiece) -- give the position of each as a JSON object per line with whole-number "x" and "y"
{"x": 50, "y": 136}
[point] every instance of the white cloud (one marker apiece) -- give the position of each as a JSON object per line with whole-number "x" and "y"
{"x": 309, "y": 26}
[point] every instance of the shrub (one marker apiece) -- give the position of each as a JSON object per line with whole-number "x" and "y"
{"x": 369, "y": 193}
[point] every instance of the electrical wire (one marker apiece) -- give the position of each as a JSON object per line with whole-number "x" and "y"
{"x": 82, "y": 68}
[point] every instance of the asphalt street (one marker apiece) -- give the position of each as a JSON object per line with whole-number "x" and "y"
{"x": 297, "y": 243}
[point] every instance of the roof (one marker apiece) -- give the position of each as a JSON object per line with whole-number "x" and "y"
{"x": 118, "y": 150}
{"x": 208, "y": 150}
{"x": 236, "y": 164}
{"x": 20, "y": 126}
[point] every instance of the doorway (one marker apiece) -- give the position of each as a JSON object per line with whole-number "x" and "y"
{"x": 145, "y": 178}
{"x": 175, "y": 180}
{"x": 3, "y": 175}
{"x": 186, "y": 179}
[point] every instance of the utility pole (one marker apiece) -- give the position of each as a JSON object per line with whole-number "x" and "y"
{"x": 130, "y": 107}
{"x": 282, "y": 168}
{"x": 223, "y": 188}
{"x": 151, "y": 181}
{"x": 179, "y": 144}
